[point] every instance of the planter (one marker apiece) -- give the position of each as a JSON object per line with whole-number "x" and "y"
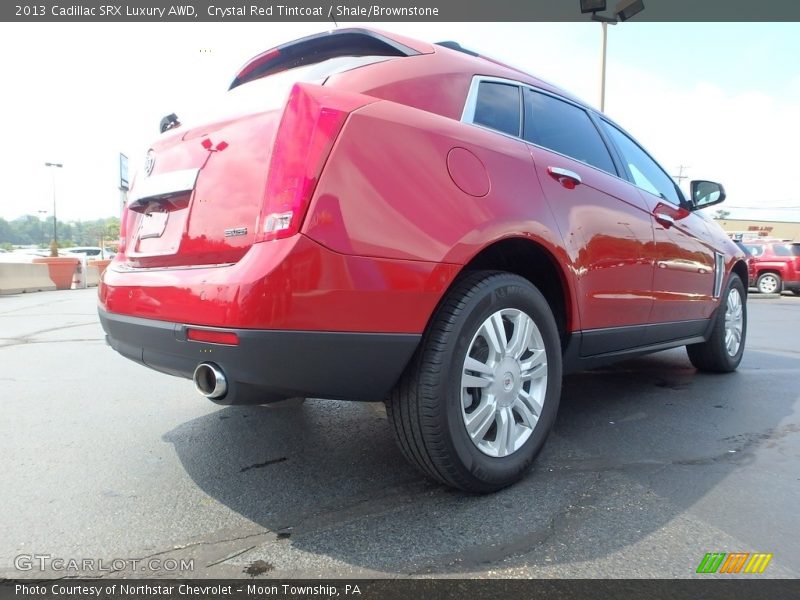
{"x": 61, "y": 270}
{"x": 100, "y": 264}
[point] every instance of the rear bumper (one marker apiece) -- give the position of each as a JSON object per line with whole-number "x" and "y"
{"x": 292, "y": 284}
{"x": 269, "y": 364}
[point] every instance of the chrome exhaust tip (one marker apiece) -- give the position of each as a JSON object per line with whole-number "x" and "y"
{"x": 210, "y": 381}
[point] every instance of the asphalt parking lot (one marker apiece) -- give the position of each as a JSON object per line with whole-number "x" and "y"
{"x": 650, "y": 466}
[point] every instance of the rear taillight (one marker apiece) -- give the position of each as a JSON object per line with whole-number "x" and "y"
{"x": 123, "y": 230}
{"x": 311, "y": 122}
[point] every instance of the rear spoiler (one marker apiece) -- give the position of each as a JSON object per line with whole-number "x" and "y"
{"x": 320, "y": 47}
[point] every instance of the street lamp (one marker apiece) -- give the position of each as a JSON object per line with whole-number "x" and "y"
{"x": 54, "y": 246}
{"x": 624, "y": 10}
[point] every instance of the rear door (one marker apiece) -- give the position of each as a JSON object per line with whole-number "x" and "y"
{"x": 605, "y": 224}
{"x": 685, "y": 262}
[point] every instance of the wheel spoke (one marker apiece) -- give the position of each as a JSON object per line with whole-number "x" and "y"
{"x": 480, "y": 420}
{"x": 471, "y": 381}
{"x": 535, "y": 367}
{"x": 494, "y": 337}
{"x": 505, "y": 424}
{"x": 532, "y": 404}
{"x": 520, "y": 338}
{"x": 529, "y": 417}
{"x": 476, "y": 366}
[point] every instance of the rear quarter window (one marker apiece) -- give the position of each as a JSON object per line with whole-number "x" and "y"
{"x": 497, "y": 107}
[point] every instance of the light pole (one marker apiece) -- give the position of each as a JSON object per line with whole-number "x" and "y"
{"x": 624, "y": 10}
{"x": 603, "y": 66}
{"x": 54, "y": 245}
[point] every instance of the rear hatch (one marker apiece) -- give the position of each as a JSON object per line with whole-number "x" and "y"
{"x": 208, "y": 192}
{"x": 794, "y": 250}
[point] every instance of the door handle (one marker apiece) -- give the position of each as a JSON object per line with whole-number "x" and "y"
{"x": 569, "y": 179}
{"x": 666, "y": 220}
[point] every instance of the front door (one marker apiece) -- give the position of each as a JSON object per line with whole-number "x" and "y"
{"x": 683, "y": 282}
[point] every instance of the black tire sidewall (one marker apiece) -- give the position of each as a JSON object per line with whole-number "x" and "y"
{"x": 505, "y": 291}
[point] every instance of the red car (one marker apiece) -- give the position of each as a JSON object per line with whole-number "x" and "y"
{"x": 378, "y": 218}
{"x": 776, "y": 266}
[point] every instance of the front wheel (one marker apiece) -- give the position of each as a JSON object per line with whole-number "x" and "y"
{"x": 480, "y": 396}
{"x": 723, "y": 351}
{"x": 769, "y": 283}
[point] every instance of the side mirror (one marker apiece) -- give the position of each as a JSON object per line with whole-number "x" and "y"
{"x": 706, "y": 193}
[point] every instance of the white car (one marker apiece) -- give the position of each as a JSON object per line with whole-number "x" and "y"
{"x": 91, "y": 252}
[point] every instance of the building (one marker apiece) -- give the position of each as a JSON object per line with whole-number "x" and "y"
{"x": 783, "y": 230}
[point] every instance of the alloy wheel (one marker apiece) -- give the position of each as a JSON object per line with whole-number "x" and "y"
{"x": 503, "y": 382}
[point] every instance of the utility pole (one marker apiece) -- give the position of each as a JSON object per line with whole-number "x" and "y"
{"x": 680, "y": 176}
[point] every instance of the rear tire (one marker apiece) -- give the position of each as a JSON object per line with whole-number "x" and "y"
{"x": 489, "y": 361}
{"x": 769, "y": 283}
{"x": 723, "y": 351}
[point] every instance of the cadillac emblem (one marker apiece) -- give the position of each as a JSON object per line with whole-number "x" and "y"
{"x": 149, "y": 162}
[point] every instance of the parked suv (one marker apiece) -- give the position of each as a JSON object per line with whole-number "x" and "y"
{"x": 776, "y": 266}
{"x": 378, "y": 218}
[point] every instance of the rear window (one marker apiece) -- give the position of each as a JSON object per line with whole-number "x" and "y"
{"x": 267, "y": 93}
{"x": 566, "y": 129}
{"x": 786, "y": 250}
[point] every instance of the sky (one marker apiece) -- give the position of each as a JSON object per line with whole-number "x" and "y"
{"x": 721, "y": 100}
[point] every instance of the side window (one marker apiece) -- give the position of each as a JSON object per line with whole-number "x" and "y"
{"x": 781, "y": 250}
{"x": 564, "y": 128}
{"x": 755, "y": 250}
{"x": 646, "y": 173}
{"x": 497, "y": 107}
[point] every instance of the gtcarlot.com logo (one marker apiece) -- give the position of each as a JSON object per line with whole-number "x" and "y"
{"x": 48, "y": 562}
{"x": 734, "y": 562}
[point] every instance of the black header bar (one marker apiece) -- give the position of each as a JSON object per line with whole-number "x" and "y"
{"x": 341, "y": 11}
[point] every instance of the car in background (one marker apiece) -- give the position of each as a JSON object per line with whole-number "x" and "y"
{"x": 91, "y": 252}
{"x": 751, "y": 262}
{"x": 776, "y": 266}
{"x": 383, "y": 219}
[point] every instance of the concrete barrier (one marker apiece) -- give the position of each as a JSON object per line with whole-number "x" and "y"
{"x": 16, "y": 278}
{"x": 92, "y": 276}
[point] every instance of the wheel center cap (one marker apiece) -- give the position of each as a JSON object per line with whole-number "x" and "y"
{"x": 507, "y": 378}
{"x": 508, "y": 381}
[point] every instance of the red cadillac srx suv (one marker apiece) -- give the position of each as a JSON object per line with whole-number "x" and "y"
{"x": 370, "y": 217}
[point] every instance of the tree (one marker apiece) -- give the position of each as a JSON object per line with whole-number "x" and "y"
{"x": 722, "y": 214}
